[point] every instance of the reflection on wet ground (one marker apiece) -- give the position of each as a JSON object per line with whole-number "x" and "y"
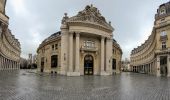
{"x": 24, "y": 85}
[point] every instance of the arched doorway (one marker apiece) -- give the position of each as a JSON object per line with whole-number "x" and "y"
{"x": 88, "y": 65}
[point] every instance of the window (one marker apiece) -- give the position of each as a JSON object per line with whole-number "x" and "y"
{"x": 162, "y": 11}
{"x": 163, "y": 33}
{"x": 163, "y": 45}
{"x": 43, "y": 50}
{"x": 89, "y": 44}
{"x": 54, "y": 61}
{"x": 84, "y": 43}
{"x": 114, "y": 64}
{"x": 52, "y": 47}
{"x": 56, "y": 46}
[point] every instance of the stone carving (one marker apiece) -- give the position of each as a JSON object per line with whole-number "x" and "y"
{"x": 91, "y": 11}
{"x": 91, "y": 14}
{"x": 65, "y": 18}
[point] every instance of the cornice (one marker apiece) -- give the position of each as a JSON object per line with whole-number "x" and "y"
{"x": 91, "y": 25}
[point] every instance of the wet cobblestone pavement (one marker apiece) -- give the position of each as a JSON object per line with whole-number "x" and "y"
{"x": 23, "y": 85}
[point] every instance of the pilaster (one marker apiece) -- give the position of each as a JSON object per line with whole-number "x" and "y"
{"x": 158, "y": 65}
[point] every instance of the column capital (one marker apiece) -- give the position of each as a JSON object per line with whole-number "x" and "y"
{"x": 71, "y": 32}
{"x": 109, "y": 38}
{"x": 102, "y": 37}
{"x": 77, "y": 34}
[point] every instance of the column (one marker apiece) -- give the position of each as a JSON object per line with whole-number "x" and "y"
{"x": 14, "y": 65}
{"x": 19, "y": 65}
{"x": 77, "y": 61}
{"x": 5, "y": 65}
{"x": 149, "y": 71}
{"x": 102, "y": 54}
{"x": 168, "y": 64}
{"x": 1, "y": 62}
{"x": 10, "y": 64}
{"x": 151, "y": 68}
{"x": 109, "y": 57}
{"x": 158, "y": 66}
{"x": 70, "y": 52}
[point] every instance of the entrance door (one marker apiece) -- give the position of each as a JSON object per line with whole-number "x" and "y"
{"x": 88, "y": 65}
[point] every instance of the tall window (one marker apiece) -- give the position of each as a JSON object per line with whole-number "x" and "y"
{"x": 163, "y": 45}
{"x": 163, "y": 33}
{"x": 56, "y": 46}
{"x": 52, "y": 47}
{"x": 114, "y": 64}
{"x": 54, "y": 61}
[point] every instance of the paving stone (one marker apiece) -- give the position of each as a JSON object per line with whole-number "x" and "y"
{"x": 23, "y": 85}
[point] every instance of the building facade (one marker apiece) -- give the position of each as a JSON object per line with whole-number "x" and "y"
{"x": 82, "y": 47}
{"x": 9, "y": 46}
{"x": 126, "y": 65}
{"x": 116, "y": 57}
{"x": 153, "y": 56}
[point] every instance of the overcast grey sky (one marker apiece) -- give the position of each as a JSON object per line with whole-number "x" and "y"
{"x": 31, "y": 21}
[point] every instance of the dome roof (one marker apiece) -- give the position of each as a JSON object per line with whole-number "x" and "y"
{"x": 53, "y": 36}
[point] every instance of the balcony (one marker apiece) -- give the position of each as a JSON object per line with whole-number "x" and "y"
{"x": 88, "y": 48}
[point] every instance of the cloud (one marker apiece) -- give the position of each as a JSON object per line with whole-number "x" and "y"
{"x": 19, "y": 7}
{"x": 31, "y": 21}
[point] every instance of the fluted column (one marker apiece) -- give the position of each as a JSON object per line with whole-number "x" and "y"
{"x": 102, "y": 54}
{"x": 77, "y": 61}
{"x": 70, "y": 52}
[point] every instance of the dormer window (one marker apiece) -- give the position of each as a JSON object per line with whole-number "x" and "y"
{"x": 163, "y": 33}
{"x": 162, "y": 11}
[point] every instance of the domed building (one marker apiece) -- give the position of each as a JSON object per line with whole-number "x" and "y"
{"x": 84, "y": 46}
{"x": 9, "y": 46}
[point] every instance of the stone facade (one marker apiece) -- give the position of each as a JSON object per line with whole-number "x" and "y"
{"x": 153, "y": 56}
{"x": 116, "y": 57}
{"x": 9, "y": 46}
{"x": 82, "y": 47}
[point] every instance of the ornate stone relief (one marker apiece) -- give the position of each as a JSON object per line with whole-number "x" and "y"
{"x": 90, "y": 14}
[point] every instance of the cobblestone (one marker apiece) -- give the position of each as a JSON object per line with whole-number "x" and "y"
{"x": 24, "y": 85}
